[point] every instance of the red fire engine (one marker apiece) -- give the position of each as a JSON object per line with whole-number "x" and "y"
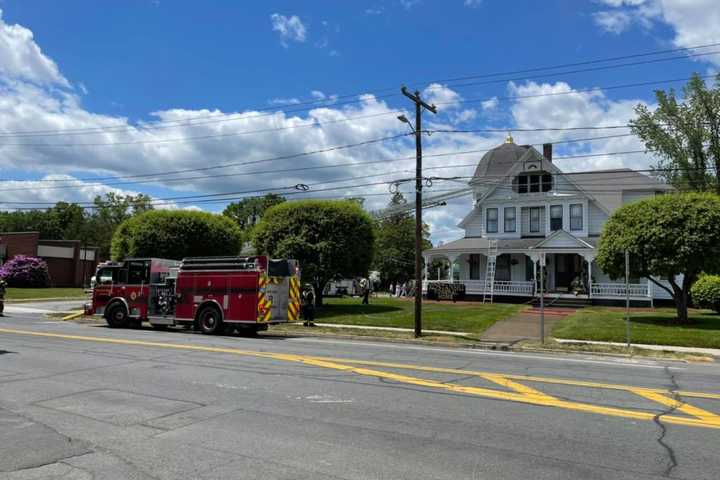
{"x": 207, "y": 293}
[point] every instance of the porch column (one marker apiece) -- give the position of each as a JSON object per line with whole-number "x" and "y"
{"x": 535, "y": 257}
{"x": 426, "y": 264}
{"x": 451, "y": 270}
{"x": 589, "y": 258}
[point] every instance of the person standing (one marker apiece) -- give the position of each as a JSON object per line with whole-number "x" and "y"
{"x": 365, "y": 290}
{"x": 3, "y": 285}
{"x": 307, "y": 305}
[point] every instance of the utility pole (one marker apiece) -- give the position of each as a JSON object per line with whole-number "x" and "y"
{"x": 542, "y": 298}
{"x": 627, "y": 298}
{"x": 419, "y": 106}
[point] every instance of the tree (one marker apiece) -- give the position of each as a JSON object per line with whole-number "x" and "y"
{"x": 686, "y": 135}
{"x": 667, "y": 236}
{"x": 176, "y": 234}
{"x": 395, "y": 244}
{"x": 108, "y": 213}
{"x": 327, "y": 237}
{"x": 248, "y": 211}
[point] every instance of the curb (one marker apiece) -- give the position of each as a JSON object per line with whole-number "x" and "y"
{"x": 54, "y": 299}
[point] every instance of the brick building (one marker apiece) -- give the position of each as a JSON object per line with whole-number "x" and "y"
{"x": 69, "y": 262}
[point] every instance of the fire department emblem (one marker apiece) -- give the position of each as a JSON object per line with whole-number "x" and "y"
{"x": 133, "y": 295}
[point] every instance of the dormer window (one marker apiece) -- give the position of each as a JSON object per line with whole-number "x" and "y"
{"x": 533, "y": 183}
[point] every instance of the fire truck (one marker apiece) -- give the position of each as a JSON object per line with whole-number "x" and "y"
{"x": 209, "y": 294}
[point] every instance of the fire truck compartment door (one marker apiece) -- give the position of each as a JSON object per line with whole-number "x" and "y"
{"x": 277, "y": 293}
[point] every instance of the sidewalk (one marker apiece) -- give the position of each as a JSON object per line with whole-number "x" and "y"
{"x": 391, "y": 329}
{"x": 715, "y": 352}
{"x": 525, "y": 325}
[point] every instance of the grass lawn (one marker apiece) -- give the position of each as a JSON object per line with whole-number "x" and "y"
{"x": 393, "y": 312}
{"x": 650, "y": 327}
{"x": 25, "y": 293}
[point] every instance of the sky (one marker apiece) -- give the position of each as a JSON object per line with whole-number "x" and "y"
{"x": 180, "y": 99}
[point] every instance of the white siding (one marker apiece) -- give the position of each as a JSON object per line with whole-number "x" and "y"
{"x": 525, "y": 222}
{"x": 474, "y": 227}
{"x": 596, "y": 219}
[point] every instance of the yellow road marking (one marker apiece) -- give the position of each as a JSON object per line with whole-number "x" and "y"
{"x": 527, "y": 378}
{"x": 521, "y": 393}
{"x": 679, "y": 406}
{"x": 74, "y": 315}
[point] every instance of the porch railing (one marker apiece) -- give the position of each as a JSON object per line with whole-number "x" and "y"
{"x": 477, "y": 287}
{"x": 618, "y": 290}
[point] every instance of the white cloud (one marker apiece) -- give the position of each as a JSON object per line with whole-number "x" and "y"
{"x": 490, "y": 104}
{"x": 291, "y": 29}
{"x": 442, "y": 96}
{"x": 374, "y": 11}
{"x": 613, "y": 21}
{"x": 472, "y": 3}
{"x": 21, "y": 58}
{"x": 38, "y": 191}
{"x": 694, "y": 22}
{"x": 408, "y": 4}
{"x": 284, "y": 101}
{"x": 578, "y": 109}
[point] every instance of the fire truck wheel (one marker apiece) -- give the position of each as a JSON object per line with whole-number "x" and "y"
{"x": 210, "y": 320}
{"x": 117, "y": 316}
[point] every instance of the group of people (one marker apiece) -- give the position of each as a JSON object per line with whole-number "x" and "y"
{"x": 401, "y": 289}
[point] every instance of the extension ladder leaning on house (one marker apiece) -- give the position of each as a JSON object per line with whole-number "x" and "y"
{"x": 489, "y": 289}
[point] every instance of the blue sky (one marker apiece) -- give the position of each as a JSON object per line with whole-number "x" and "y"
{"x": 85, "y": 64}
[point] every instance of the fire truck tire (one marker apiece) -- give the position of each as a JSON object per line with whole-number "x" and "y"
{"x": 210, "y": 320}
{"x": 117, "y": 316}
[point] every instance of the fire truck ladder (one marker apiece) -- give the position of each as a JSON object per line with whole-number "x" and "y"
{"x": 489, "y": 289}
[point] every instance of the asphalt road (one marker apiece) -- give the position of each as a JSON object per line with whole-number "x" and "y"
{"x": 82, "y": 401}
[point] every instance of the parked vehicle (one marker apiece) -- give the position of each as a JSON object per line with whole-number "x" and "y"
{"x": 207, "y": 293}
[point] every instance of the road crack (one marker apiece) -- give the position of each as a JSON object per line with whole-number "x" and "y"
{"x": 672, "y": 457}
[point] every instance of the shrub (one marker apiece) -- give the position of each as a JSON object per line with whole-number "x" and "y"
{"x": 176, "y": 234}
{"x": 23, "y": 271}
{"x": 706, "y": 292}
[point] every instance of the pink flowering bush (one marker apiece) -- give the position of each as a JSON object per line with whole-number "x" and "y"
{"x": 24, "y": 271}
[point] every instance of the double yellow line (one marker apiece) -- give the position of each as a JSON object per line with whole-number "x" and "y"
{"x": 513, "y": 389}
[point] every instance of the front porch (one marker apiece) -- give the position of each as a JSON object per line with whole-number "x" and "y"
{"x": 567, "y": 274}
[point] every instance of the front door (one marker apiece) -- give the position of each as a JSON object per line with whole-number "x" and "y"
{"x": 567, "y": 267}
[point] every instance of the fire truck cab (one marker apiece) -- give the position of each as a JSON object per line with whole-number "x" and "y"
{"x": 207, "y": 293}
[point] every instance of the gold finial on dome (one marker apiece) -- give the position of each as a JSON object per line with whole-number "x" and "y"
{"x": 509, "y": 138}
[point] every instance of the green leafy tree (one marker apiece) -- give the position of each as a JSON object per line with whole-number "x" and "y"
{"x": 328, "y": 238}
{"x": 108, "y": 213}
{"x": 176, "y": 234}
{"x": 685, "y": 134}
{"x": 248, "y": 211}
{"x": 395, "y": 244}
{"x": 667, "y": 236}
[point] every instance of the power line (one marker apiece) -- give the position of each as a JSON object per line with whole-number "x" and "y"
{"x": 332, "y": 101}
{"x": 97, "y": 180}
{"x": 624, "y": 173}
{"x": 319, "y": 123}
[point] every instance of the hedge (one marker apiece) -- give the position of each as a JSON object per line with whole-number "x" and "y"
{"x": 706, "y": 292}
{"x": 176, "y": 234}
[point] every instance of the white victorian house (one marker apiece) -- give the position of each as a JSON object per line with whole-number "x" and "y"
{"x": 526, "y": 209}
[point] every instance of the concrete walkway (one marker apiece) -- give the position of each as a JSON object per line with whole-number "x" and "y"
{"x": 525, "y": 325}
